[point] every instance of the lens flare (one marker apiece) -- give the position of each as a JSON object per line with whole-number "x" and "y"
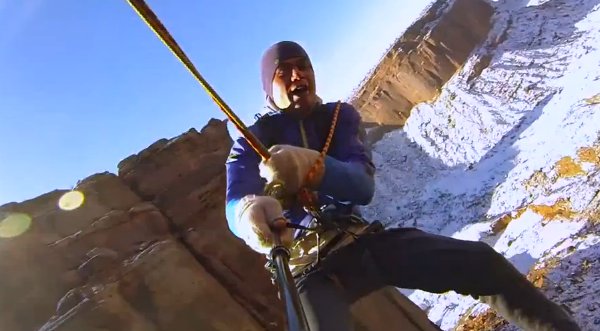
{"x": 15, "y": 224}
{"x": 71, "y": 200}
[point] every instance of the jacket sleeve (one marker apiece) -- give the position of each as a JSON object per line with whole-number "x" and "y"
{"x": 243, "y": 177}
{"x": 349, "y": 170}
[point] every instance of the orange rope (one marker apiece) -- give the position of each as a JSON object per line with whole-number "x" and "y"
{"x": 148, "y": 16}
{"x": 307, "y": 197}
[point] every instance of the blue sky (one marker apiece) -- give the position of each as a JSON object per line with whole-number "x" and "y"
{"x": 84, "y": 84}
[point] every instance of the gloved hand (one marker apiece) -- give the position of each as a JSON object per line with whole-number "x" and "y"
{"x": 255, "y": 217}
{"x": 290, "y": 165}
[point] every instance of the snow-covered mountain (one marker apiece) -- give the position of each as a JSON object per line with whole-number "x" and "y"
{"x": 509, "y": 153}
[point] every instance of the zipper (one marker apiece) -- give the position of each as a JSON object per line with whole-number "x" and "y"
{"x": 303, "y": 134}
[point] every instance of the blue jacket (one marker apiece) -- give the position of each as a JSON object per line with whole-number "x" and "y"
{"x": 348, "y": 180}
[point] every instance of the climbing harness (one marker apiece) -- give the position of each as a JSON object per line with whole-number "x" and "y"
{"x": 324, "y": 219}
{"x": 307, "y": 197}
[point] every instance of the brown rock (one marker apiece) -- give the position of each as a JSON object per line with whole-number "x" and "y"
{"x": 200, "y": 155}
{"x": 423, "y": 60}
{"x": 65, "y": 249}
{"x": 161, "y": 288}
{"x": 186, "y": 179}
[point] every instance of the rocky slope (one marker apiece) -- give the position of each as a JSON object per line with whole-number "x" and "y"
{"x": 508, "y": 153}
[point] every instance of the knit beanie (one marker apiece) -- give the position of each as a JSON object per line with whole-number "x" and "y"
{"x": 280, "y": 51}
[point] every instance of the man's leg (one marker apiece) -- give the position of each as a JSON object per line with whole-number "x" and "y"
{"x": 326, "y": 300}
{"x": 410, "y": 258}
{"x": 325, "y": 305}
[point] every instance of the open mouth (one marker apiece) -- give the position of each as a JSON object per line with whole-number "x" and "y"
{"x": 299, "y": 90}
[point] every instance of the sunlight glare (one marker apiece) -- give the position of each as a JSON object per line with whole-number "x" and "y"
{"x": 71, "y": 200}
{"x": 15, "y": 224}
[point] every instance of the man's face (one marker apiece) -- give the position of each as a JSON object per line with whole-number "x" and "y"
{"x": 294, "y": 85}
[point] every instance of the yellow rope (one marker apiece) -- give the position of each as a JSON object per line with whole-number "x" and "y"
{"x": 154, "y": 23}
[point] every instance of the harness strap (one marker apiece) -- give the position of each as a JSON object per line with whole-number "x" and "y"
{"x": 309, "y": 200}
{"x": 306, "y": 195}
{"x": 339, "y": 241}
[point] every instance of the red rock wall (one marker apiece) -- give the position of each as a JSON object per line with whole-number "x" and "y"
{"x": 186, "y": 180}
{"x": 112, "y": 264}
{"x": 422, "y": 60}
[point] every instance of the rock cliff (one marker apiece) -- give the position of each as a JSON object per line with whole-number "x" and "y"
{"x": 420, "y": 62}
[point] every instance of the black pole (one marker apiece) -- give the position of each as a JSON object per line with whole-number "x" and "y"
{"x": 287, "y": 288}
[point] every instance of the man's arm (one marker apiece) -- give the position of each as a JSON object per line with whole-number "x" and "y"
{"x": 243, "y": 179}
{"x": 349, "y": 171}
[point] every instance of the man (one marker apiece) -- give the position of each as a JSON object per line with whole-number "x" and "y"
{"x": 337, "y": 257}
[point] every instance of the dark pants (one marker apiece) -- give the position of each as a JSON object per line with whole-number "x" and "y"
{"x": 405, "y": 258}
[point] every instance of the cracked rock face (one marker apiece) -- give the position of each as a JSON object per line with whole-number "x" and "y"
{"x": 112, "y": 263}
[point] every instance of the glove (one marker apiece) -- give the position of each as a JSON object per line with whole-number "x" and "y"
{"x": 290, "y": 165}
{"x": 255, "y": 217}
